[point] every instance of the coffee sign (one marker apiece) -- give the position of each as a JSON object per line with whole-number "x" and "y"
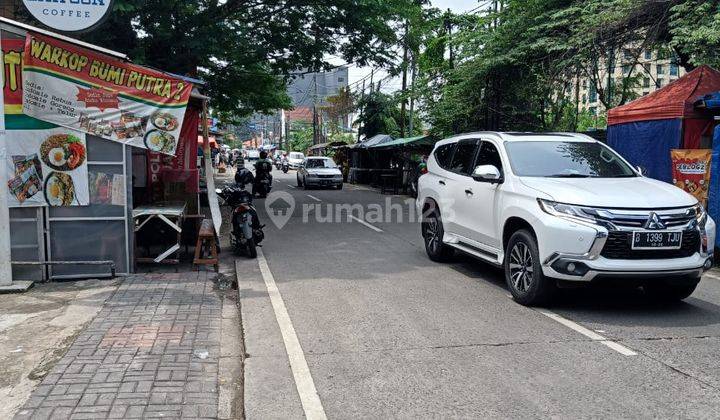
{"x": 69, "y": 15}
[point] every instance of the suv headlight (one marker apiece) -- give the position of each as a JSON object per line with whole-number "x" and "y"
{"x": 700, "y": 214}
{"x": 566, "y": 211}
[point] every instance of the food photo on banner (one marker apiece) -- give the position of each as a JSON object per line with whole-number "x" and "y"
{"x": 691, "y": 171}
{"x": 47, "y": 168}
{"x": 86, "y": 91}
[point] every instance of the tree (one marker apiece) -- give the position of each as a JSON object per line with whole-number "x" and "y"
{"x": 378, "y": 113}
{"x": 247, "y": 49}
{"x": 338, "y": 108}
{"x": 518, "y": 68}
{"x": 301, "y": 137}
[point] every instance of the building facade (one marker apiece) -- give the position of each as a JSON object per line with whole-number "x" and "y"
{"x": 653, "y": 69}
{"x": 314, "y": 88}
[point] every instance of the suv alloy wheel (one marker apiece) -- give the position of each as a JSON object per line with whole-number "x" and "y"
{"x": 523, "y": 272}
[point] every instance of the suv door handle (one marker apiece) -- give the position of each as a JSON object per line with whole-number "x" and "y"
{"x": 441, "y": 182}
{"x": 468, "y": 192}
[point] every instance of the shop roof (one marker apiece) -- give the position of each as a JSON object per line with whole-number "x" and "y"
{"x": 407, "y": 141}
{"x": 672, "y": 101}
{"x": 375, "y": 140}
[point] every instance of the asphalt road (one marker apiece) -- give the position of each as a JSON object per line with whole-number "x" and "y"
{"x": 385, "y": 332}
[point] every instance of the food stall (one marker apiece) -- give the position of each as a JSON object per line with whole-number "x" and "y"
{"x": 645, "y": 130}
{"x": 90, "y": 136}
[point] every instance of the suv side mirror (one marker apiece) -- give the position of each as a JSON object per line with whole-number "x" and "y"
{"x": 487, "y": 173}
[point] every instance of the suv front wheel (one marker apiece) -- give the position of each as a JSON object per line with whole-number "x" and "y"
{"x": 523, "y": 272}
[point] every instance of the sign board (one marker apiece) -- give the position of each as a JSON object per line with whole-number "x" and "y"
{"x": 46, "y": 167}
{"x": 69, "y": 15}
{"x": 691, "y": 171}
{"x": 74, "y": 87}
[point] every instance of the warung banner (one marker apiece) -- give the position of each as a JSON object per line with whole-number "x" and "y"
{"x": 97, "y": 94}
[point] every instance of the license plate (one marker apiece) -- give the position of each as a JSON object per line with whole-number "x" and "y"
{"x": 657, "y": 240}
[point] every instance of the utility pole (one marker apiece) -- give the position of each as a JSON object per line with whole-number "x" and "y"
{"x": 403, "y": 104}
{"x": 362, "y": 100}
{"x": 412, "y": 95}
{"x": 315, "y": 116}
{"x": 448, "y": 28}
{"x": 610, "y": 75}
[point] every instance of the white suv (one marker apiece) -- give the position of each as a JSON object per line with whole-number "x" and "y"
{"x": 552, "y": 208}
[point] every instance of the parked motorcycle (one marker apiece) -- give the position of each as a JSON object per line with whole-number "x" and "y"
{"x": 247, "y": 233}
{"x": 285, "y": 166}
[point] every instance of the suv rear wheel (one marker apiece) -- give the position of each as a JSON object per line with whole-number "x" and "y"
{"x": 523, "y": 272}
{"x": 433, "y": 232}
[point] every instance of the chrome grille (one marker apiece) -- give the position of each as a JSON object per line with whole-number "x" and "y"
{"x": 636, "y": 219}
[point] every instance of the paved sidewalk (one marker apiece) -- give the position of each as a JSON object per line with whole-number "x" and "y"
{"x": 152, "y": 351}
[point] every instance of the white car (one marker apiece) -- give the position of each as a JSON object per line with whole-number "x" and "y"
{"x": 319, "y": 172}
{"x": 295, "y": 159}
{"x": 253, "y": 154}
{"x": 558, "y": 208}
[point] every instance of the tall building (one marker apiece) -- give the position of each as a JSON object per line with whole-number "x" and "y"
{"x": 654, "y": 69}
{"x": 305, "y": 88}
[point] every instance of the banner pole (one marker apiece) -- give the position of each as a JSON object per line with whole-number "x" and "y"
{"x": 209, "y": 173}
{"x": 5, "y": 266}
{"x": 6, "y": 280}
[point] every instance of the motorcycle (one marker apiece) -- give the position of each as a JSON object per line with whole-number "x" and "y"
{"x": 244, "y": 237}
{"x": 285, "y": 166}
{"x": 278, "y": 163}
{"x": 263, "y": 185}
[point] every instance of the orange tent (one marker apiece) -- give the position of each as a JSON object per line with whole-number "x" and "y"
{"x": 672, "y": 101}
{"x": 213, "y": 142}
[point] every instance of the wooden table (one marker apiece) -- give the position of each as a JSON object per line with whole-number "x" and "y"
{"x": 172, "y": 213}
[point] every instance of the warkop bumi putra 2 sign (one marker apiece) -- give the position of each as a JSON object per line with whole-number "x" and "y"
{"x": 96, "y": 94}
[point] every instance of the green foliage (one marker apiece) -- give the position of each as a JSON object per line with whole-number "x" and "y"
{"x": 695, "y": 30}
{"x": 517, "y": 69}
{"x": 301, "y": 137}
{"x": 245, "y": 50}
{"x": 378, "y": 113}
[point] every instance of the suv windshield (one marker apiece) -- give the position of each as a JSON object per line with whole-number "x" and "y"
{"x": 320, "y": 163}
{"x": 296, "y": 155}
{"x": 566, "y": 159}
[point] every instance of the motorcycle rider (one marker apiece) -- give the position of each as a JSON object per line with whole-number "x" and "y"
{"x": 244, "y": 176}
{"x": 263, "y": 167}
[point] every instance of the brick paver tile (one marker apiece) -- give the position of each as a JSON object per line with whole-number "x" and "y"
{"x": 135, "y": 358}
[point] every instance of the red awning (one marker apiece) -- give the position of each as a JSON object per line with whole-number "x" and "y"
{"x": 213, "y": 142}
{"x": 672, "y": 101}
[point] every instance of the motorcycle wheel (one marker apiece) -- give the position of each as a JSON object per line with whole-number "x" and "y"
{"x": 251, "y": 249}
{"x": 285, "y": 170}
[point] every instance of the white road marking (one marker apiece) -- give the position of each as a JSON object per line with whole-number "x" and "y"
{"x": 314, "y": 198}
{"x": 364, "y": 223}
{"x": 301, "y": 372}
{"x": 291, "y": 186}
{"x": 712, "y": 274}
{"x": 587, "y": 333}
